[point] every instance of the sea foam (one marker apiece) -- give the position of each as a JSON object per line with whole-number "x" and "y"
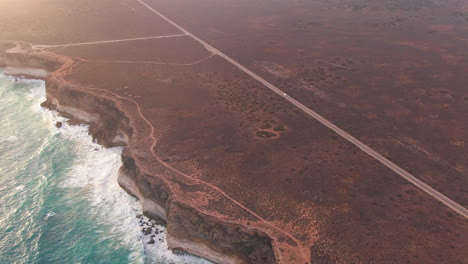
{"x": 96, "y": 170}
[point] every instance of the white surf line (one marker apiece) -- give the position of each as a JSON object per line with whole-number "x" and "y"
{"x": 104, "y": 41}
{"x": 406, "y": 175}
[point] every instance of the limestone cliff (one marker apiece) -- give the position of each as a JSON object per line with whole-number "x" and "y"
{"x": 111, "y": 124}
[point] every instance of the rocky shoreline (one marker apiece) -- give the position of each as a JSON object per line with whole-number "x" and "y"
{"x": 111, "y": 124}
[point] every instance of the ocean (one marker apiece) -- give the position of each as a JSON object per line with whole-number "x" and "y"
{"x": 59, "y": 197}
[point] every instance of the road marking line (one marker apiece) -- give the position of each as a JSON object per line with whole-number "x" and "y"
{"x": 406, "y": 175}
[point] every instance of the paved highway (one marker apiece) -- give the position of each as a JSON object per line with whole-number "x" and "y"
{"x": 406, "y": 175}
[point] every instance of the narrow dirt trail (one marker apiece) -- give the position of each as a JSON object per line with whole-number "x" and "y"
{"x": 69, "y": 63}
{"x": 213, "y": 187}
{"x": 153, "y": 62}
{"x": 39, "y": 46}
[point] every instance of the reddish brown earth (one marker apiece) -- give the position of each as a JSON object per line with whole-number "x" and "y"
{"x": 239, "y": 174}
{"x": 390, "y": 72}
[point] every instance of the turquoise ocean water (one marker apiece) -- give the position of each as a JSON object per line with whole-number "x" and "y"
{"x": 59, "y": 197}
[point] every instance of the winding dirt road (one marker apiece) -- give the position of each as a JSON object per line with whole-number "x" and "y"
{"x": 302, "y": 247}
{"x": 67, "y": 68}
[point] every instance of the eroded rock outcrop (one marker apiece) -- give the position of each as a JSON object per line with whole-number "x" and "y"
{"x": 189, "y": 229}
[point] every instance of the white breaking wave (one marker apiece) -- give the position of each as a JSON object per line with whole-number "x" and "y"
{"x": 12, "y": 138}
{"x": 96, "y": 170}
{"x": 19, "y": 188}
{"x": 50, "y": 214}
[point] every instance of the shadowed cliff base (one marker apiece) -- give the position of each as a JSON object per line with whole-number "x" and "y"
{"x": 237, "y": 172}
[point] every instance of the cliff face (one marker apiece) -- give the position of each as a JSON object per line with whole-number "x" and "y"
{"x": 110, "y": 125}
{"x": 15, "y": 55}
{"x": 190, "y": 230}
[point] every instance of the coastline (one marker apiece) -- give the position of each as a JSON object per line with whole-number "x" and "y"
{"x": 28, "y": 73}
{"x": 154, "y": 195}
{"x": 88, "y": 188}
{"x": 65, "y": 182}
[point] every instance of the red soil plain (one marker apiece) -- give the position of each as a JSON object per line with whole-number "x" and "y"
{"x": 392, "y": 73}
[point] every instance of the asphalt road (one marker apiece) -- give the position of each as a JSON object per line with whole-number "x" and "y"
{"x": 406, "y": 175}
